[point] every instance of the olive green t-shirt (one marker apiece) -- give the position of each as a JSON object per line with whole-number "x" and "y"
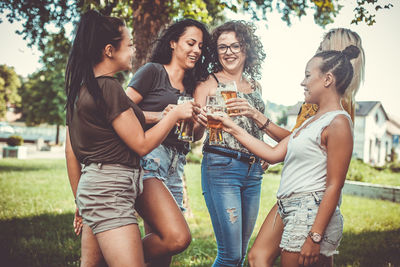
{"x": 93, "y": 138}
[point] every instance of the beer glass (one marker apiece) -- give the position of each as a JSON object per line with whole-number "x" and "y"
{"x": 181, "y": 99}
{"x": 228, "y": 90}
{"x": 186, "y": 129}
{"x": 214, "y": 106}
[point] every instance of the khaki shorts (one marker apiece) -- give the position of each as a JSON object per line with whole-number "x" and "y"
{"x": 106, "y": 195}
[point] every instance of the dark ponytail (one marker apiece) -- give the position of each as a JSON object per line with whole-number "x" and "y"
{"x": 338, "y": 62}
{"x": 93, "y": 33}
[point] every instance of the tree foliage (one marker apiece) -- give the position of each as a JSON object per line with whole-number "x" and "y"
{"x": 9, "y": 84}
{"x": 44, "y": 25}
{"x": 43, "y": 97}
{"x": 362, "y": 14}
{"x": 147, "y": 17}
{"x": 283, "y": 118}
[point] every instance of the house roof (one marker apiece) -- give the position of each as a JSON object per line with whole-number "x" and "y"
{"x": 363, "y": 108}
{"x": 392, "y": 128}
{"x": 394, "y": 119}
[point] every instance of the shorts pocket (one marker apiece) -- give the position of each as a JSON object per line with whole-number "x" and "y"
{"x": 151, "y": 165}
{"x": 334, "y": 230}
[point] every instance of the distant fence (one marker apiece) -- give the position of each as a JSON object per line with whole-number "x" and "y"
{"x": 31, "y": 134}
{"x": 362, "y": 189}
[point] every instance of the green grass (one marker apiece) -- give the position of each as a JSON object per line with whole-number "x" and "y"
{"x": 360, "y": 171}
{"x": 36, "y": 213}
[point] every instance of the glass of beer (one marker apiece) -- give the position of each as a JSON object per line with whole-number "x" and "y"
{"x": 228, "y": 90}
{"x": 181, "y": 99}
{"x": 214, "y": 106}
{"x": 186, "y": 127}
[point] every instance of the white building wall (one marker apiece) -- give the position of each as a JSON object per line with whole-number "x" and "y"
{"x": 360, "y": 147}
{"x": 375, "y": 136}
{"x": 387, "y": 143}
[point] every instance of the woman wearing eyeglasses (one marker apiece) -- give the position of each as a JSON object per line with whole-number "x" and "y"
{"x": 231, "y": 175}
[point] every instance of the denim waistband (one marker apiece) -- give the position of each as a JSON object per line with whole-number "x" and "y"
{"x": 316, "y": 195}
{"x": 242, "y": 156}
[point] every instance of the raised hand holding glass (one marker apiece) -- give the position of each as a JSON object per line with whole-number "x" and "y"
{"x": 186, "y": 128}
{"x": 214, "y": 106}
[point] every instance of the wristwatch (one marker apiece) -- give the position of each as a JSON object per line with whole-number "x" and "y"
{"x": 315, "y": 237}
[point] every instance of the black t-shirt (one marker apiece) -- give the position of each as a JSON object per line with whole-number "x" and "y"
{"x": 151, "y": 81}
{"x": 93, "y": 138}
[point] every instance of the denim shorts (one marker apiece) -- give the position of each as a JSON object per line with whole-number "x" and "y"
{"x": 298, "y": 214}
{"x": 106, "y": 195}
{"x": 167, "y": 164}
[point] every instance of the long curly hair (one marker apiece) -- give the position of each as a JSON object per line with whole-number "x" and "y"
{"x": 245, "y": 33}
{"x": 162, "y": 52}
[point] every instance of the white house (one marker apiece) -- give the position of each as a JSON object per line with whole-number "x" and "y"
{"x": 374, "y": 133}
{"x": 393, "y": 128}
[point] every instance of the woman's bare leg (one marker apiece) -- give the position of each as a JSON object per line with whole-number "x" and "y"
{"x": 170, "y": 233}
{"x": 291, "y": 259}
{"x": 90, "y": 250}
{"x": 122, "y": 246}
{"x": 266, "y": 246}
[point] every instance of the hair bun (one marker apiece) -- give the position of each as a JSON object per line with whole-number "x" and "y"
{"x": 351, "y": 51}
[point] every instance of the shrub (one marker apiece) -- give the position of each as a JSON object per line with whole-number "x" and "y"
{"x": 359, "y": 171}
{"x": 193, "y": 158}
{"x": 394, "y": 166}
{"x": 277, "y": 168}
{"x": 355, "y": 174}
{"x": 15, "y": 140}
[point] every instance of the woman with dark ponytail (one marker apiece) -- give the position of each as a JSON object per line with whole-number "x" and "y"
{"x": 105, "y": 141}
{"x": 316, "y": 158}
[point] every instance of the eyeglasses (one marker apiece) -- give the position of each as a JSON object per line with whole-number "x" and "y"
{"x": 235, "y": 48}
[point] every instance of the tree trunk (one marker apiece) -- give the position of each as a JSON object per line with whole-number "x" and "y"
{"x": 149, "y": 16}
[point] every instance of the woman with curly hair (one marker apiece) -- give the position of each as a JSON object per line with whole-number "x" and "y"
{"x": 231, "y": 175}
{"x": 316, "y": 159}
{"x": 179, "y": 60}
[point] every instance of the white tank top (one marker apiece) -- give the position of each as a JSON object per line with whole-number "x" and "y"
{"x": 304, "y": 167}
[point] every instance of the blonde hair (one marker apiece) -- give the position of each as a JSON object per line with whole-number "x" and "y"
{"x": 338, "y": 39}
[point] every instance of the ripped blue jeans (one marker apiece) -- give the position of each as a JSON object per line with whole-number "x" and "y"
{"x": 166, "y": 164}
{"x": 231, "y": 189}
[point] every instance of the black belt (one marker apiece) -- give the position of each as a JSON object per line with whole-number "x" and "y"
{"x": 248, "y": 158}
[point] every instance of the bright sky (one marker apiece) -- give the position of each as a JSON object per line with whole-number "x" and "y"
{"x": 288, "y": 49}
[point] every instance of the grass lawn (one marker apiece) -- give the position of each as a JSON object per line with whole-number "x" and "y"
{"x": 36, "y": 213}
